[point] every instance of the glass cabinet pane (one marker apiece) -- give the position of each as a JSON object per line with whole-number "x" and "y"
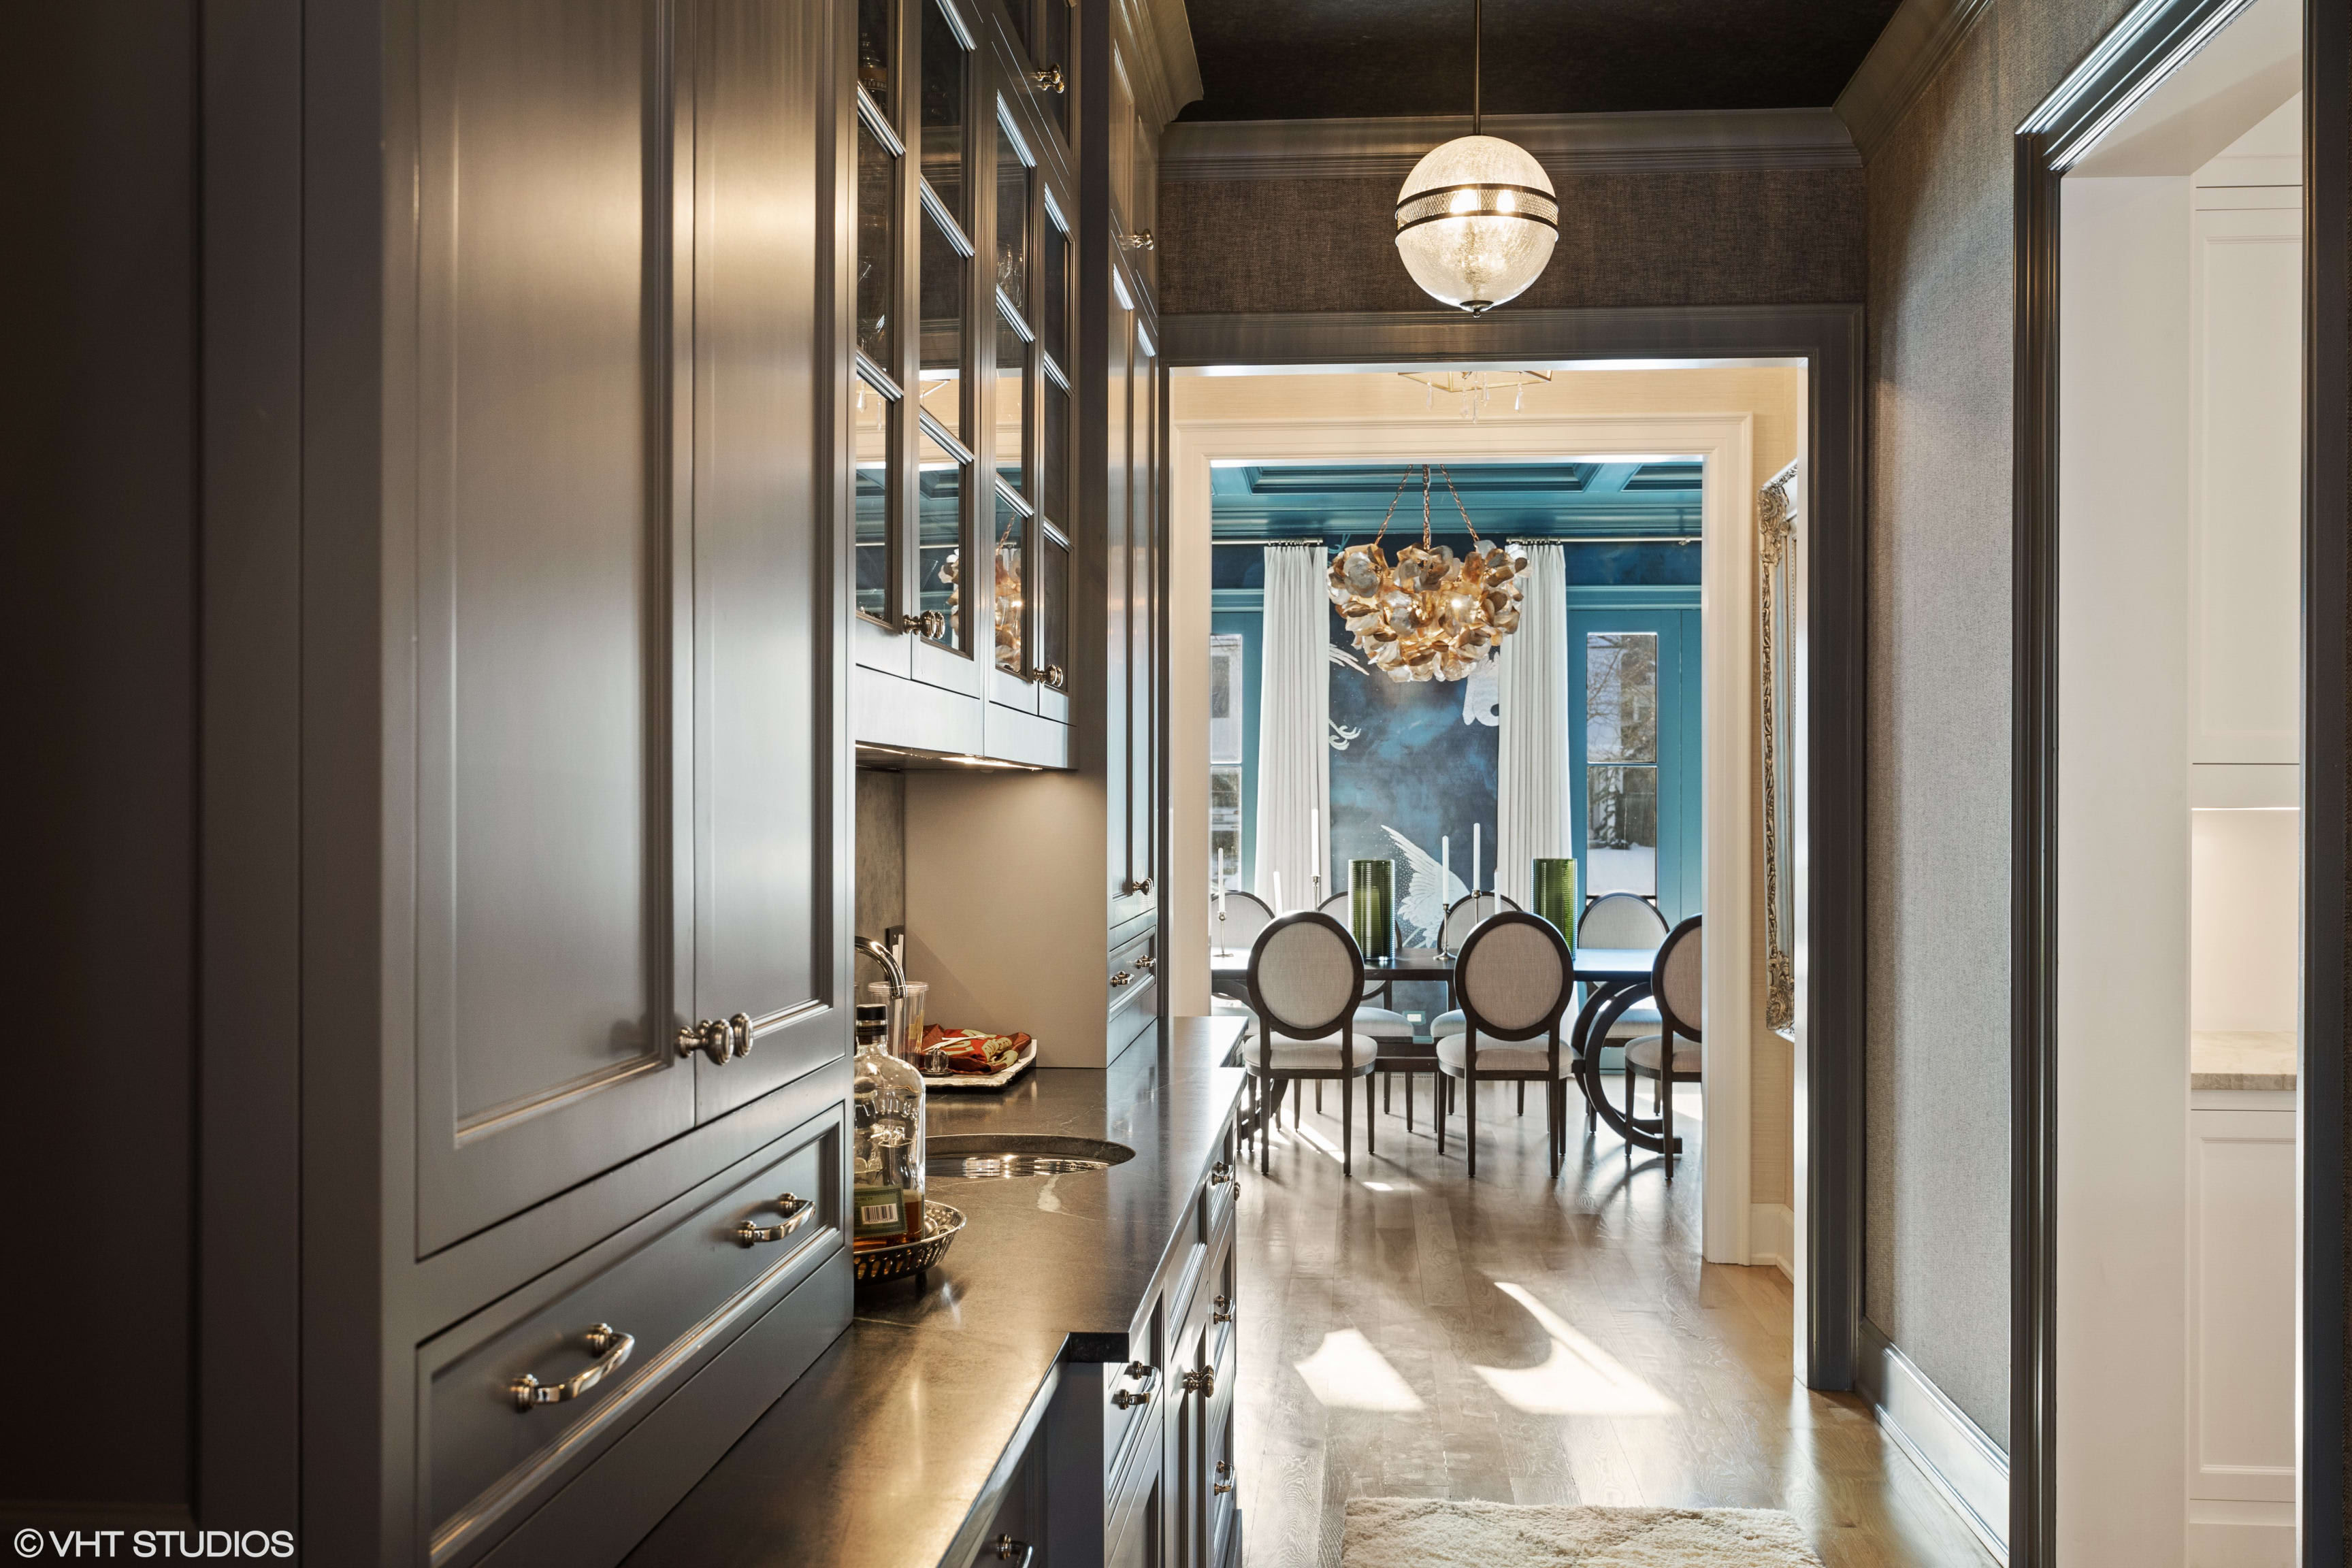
{"x": 943, "y": 268}
{"x": 1013, "y": 177}
{"x": 1010, "y": 526}
{"x": 1053, "y": 606}
{"x": 878, "y": 230}
{"x": 945, "y": 74}
{"x": 874, "y": 428}
{"x": 877, "y": 44}
{"x": 939, "y": 486}
{"x": 1053, "y": 450}
{"x": 1054, "y": 290}
{"x": 1012, "y": 406}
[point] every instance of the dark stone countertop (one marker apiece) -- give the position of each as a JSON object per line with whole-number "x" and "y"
{"x": 875, "y": 1457}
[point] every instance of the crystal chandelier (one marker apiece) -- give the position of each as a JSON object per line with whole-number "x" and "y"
{"x": 1478, "y": 217}
{"x": 1430, "y": 616}
{"x": 1477, "y": 387}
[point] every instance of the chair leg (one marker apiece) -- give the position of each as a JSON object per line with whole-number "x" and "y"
{"x": 1371, "y": 1118}
{"x": 1386, "y": 1084}
{"x": 1666, "y": 1118}
{"x": 1437, "y": 1109}
{"x": 1319, "y": 1097}
{"x": 1470, "y": 1123}
{"x": 1346, "y": 1128}
{"x": 1523, "y": 1097}
{"x": 1407, "y": 1101}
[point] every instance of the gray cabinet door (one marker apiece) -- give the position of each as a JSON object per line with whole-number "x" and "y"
{"x": 767, "y": 765}
{"x": 547, "y": 828}
{"x": 1145, "y": 635}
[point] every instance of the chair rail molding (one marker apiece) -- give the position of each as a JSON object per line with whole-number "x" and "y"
{"x": 1916, "y": 41}
{"x": 1629, "y": 144}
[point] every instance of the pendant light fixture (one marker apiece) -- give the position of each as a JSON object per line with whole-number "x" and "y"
{"x": 1430, "y": 616}
{"x": 1478, "y": 217}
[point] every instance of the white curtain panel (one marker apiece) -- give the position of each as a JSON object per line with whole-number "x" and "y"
{"x": 1294, "y": 752}
{"x": 1532, "y": 784}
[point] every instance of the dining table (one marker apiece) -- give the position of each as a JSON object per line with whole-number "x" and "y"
{"x": 1615, "y": 979}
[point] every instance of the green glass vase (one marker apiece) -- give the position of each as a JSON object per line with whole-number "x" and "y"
{"x": 1553, "y": 885}
{"x": 1371, "y": 908}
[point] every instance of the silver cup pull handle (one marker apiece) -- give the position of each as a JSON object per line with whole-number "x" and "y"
{"x": 606, "y": 1343}
{"x": 1008, "y": 1550}
{"x": 795, "y": 1212}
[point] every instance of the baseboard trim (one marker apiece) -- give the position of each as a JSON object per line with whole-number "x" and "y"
{"x": 2241, "y": 1534}
{"x": 1772, "y": 1237}
{"x": 1967, "y": 1466}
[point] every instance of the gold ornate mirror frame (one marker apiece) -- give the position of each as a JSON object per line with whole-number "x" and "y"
{"x": 1776, "y": 550}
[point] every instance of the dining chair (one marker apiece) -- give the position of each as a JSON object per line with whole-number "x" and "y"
{"x": 1513, "y": 980}
{"x": 1462, "y": 917}
{"x": 1385, "y": 1026}
{"x": 1306, "y": 985}
{"x": 1627, "y": 920}
{"x": 1672, "y": 1055}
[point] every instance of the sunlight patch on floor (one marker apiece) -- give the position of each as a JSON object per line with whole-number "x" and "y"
{"x": 1578, "y": 1378}
{"x": 1347, "y": 1373}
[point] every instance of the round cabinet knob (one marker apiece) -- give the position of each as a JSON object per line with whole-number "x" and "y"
{"x": 714, "y": 1038}
{"x": 1139, "y": 885}
{"x": 1203, "y": 1381}
{"x": 932, "y": 623}
{"x": 1055, "y": 677}
{"x": 1141, "y": 239}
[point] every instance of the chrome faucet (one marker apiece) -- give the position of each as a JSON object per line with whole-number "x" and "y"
{"x": 890, "y": 963}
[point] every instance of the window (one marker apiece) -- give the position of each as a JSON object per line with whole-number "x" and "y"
{"x": 1225, "y": 711}
{"x": 1620, "y": 762}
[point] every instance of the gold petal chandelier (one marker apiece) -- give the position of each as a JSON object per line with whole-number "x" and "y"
{"x": 1430, "y": 616}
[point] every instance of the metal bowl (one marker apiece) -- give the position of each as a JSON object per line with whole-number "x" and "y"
{"x": 941, "y": 1223}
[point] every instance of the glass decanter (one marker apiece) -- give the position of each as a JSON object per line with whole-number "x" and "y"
{"x": 886, "y": 1160}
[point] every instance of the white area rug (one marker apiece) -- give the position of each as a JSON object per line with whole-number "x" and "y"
{"x": 1426, "y": 1533}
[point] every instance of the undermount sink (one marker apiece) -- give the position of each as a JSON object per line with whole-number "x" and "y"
{"x": 981, "y": 1155}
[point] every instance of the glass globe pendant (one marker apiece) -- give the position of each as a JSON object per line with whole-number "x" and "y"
{"x": 1478, "y": 217}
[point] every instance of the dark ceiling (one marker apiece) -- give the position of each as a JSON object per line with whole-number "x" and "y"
{"x": 1314, "y": 60}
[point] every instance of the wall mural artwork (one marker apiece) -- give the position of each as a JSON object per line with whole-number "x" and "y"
{"x": 1411, "y": 766}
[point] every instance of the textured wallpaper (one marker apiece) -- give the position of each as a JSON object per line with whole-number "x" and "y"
{"x": 1936, "y": 1271}
{"x": 1755, "y": 237}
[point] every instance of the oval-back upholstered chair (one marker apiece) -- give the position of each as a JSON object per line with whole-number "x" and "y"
{"x": 1672, "y": 1055}
{"x": 1234, "y": 927}
{"x": 1305, "y": 983}
{"x": 1622, "y": 921}
{"x": 1466, "y": 913}
{"x": 1513, "y": 981}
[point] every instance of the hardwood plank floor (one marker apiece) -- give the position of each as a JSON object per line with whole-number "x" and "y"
{"x": 1413, "y": 1333}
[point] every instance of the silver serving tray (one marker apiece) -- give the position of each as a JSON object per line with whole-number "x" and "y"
{"x": 957, "y": 1080}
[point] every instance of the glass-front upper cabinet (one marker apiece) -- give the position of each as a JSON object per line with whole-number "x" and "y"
{"x": 1044, "y": 34}
{"x": 1031, "y": 442}
{"x": 914, "y": 417}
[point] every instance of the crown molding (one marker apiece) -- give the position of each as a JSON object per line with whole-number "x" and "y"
{"x": 1562, "y": 144}
{"x": 1918, "y": 38}
{"x": 1154, "y": 39}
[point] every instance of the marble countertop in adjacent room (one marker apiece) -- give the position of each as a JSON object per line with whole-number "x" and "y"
{"x": 2242, "y": 1061}
{"x": 879, "y": 1453}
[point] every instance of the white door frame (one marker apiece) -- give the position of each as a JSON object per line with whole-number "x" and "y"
{"x": 1725, "y": 443}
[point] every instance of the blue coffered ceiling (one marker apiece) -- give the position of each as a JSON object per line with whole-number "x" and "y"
{"x": 1642, "y": 499}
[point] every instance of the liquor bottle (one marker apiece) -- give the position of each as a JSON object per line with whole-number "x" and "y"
{"x": 887, "y": 1163}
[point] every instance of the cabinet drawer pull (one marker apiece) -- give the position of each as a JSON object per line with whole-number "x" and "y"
{"x": 1141, "y": 240}
{"x": 1122, "y": 978}
{"x": 1147, "y": 1378}
{"x": 1225, "y": 1482}
{"x": 1007, "y": 1549}
{"x": 714, "y": 1038}
{"x": 1201, "y": 1381}
{"x": 1050, "y": 80}
{"x": 1224, "y": 1312}
{"x": 795, "y": 1212}
{"x": 1220, "y": 1173}
{"x": 606, "y": 1343}
{"x": 1146, "y": 963}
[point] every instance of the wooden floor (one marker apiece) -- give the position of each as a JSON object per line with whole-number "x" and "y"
{"x": 1410, "y": 1333}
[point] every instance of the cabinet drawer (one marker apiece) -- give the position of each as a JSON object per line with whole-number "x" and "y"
{"x": 1225, "y": 1299}
{"x": 1131, "y": 1401}
{"x": 1225, "y": 1484}
{"x": 680, "y": 1295}
{"x": 1134, "y": 981}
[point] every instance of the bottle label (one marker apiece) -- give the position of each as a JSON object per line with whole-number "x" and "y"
{"x": 880, "y": 1212}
